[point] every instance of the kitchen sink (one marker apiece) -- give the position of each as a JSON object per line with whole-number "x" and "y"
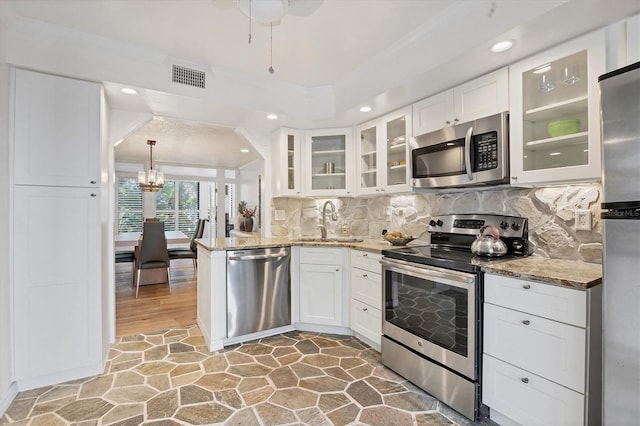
{"x": 329, "y": 240}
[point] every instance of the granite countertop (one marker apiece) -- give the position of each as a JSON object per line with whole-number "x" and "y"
{"x": 371, "y": 245}
{"x": 568, "y": 273}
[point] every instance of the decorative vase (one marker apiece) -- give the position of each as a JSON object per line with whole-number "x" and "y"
{"x": 248, "y": 224}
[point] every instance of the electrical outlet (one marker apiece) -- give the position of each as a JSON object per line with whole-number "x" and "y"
{"x": 387, "y": 214}
{"x": 583, "y": 220}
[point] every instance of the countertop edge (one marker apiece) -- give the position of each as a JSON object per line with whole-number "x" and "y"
{"x": 565, "y": 273}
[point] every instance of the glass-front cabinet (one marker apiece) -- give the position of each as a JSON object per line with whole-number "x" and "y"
{"x": 382, "y": 154}
{"x": 328, "y": 162}
{"x": 286, "y": 158}
{"x": 555, "y": 125}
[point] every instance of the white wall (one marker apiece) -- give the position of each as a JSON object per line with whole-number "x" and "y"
{"x": 8, "y": 389}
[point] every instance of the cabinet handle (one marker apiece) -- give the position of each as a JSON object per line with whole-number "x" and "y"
{"x": 514, "y": 177}
{"x": 524, "y": 380}
{"x": 94, "y": 194}
{"x": 337, "y": 269}
{"x": 364, "y": 275}
{"x": 526, "y": 286}
{"x": 365, "y": 255}
{"x": 526, "y": 322}
{"x": 377, "y": 190}
{"x": 382, "y": 190}
{"x": 365, "y": 309}
{"x": 455, "y": 120}
{"x": 447, "y": 122}
{"x": 93, "y": 182}
{"x": 420, "y": 343}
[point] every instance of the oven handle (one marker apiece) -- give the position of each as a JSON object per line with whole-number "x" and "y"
{"x": 427, "y": 271}
{"x": 467, "y": 152}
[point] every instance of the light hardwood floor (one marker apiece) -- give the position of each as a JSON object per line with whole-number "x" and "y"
{"x": 155, "y": 308}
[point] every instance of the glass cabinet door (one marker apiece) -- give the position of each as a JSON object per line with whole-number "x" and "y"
{"x": 555, "y": 129}
{"x": 292, "y": 156}
{"x": 368, "y": 153}
{"x": 286, "y": 162}
{"x": 327, "y": 153}
{"x": 556, "y": 126}
{"x": 396, "y": 149}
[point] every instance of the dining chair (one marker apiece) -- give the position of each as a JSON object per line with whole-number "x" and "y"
{"x": 153, "y": 252}
{"x": 190, "y": 252}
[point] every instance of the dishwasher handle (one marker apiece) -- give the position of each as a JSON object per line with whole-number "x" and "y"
{"x": 258, "y": 256}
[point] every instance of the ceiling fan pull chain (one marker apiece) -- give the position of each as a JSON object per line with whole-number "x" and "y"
{"x": 271, "y": 70}
{"x": 249, "y": 21}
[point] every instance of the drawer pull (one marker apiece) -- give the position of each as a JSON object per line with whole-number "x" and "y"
{"x": 365, "y": 309}
{"x": 526, "y": 322}
{"x": 365, "y": 255}
{"x": 337, "y": 269}
{"x": 420, "y": 343}
{"x": 525, "y": 380}
{"x": 364, "y": 275}
{"x": 526, "y": 286}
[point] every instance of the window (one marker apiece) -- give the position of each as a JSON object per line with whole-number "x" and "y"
{"x": 129, "y": 205}
{"x": 178, "y": 204}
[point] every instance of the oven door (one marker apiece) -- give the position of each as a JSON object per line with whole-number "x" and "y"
{"x": 432, "y": 311}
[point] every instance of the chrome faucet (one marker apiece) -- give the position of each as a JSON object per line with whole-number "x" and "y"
{"x": 334, "y": 216}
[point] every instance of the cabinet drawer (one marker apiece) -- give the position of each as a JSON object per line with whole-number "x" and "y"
{"x": 367, "y": 287}
{"x": 548, "y": 348}
{"x": 545, "y": 300}
{"x": 366, "y": 320}
{"x": 321, "y": 256}
{"x": 365, "y": 260}
{"x": 527, "y": 398}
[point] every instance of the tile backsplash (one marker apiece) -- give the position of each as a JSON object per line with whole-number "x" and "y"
{"x": 550, "y": 210}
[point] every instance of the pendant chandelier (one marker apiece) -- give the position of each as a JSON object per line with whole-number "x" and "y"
{"x": 151, "y": 180}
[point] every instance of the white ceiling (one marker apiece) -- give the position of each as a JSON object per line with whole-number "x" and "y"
{"x": 347, "y": 53}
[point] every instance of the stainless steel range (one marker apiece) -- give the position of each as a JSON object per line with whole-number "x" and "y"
{"x": 432, "y": 327}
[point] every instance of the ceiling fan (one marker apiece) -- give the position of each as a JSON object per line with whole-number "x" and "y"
{"x": 270, "y": 12}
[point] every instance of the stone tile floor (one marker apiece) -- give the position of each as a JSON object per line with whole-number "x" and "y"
{"x": 170, "y": 378}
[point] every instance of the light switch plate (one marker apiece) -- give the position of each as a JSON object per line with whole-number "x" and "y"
{"x": 583, "y": 220}
{"x": 279, "y": 215}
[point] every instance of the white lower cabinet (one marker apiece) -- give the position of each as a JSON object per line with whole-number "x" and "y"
{"x": 528, "y": 398}
{"x": 542, "y": 352}
{"x": 56, "y": 259}
{"x": 366, "y": 295}
{"x": 322, "y": 286}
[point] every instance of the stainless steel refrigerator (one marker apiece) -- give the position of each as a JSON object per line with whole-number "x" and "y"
{"x": 620, "y": 115}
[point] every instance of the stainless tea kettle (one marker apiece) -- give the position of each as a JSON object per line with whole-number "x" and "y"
{"x": 489, "y": 244}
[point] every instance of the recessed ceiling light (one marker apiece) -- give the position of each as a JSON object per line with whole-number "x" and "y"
{"x": 272, "y": 117}
{"x": 554, "y": 153}
{"x": 501, "y": 46}
{"x": 128, "y": 91}
{"x": 244, "y": 150}
{"x": 365, "y": 109}
{"x": 542, "y": 69}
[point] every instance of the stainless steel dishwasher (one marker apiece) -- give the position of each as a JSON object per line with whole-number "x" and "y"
{"x": 258, "y": 290}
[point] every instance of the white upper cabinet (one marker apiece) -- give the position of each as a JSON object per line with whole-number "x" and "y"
{"x": 57, "y": 130}
{"x": 484, "y": 96}
{"x": 554, "y": 123}
{"x": 328, "y": 162}
{"x": 382, "y": 154}
{"x": 286, "y": 159}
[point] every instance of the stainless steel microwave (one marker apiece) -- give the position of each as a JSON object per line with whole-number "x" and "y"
{"x": 468, "y": 154}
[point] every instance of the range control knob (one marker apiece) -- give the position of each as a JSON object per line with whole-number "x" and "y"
{"x": 439, "y": 222}
{"x": 504, "y": 225}
{"x": 515, "y": 226}
{"x": 432, "y": 222}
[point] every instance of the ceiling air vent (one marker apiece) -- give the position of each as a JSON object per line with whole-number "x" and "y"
{"x": 187, "y": 76}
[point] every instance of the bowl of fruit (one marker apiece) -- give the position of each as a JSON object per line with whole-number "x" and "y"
{"x": 398, "y": 238}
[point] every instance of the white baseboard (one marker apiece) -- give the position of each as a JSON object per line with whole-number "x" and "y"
{"x": 9, "y": 397}
{"x": 330, "y": 329}
{"x": 59, "y": 377}
{"x": 501, "y": 419}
